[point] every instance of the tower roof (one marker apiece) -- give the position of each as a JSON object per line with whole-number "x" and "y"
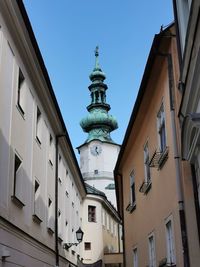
{"x": 98, "y": 123}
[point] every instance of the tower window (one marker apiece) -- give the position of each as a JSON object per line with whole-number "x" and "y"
{"x": 91, "y": 214}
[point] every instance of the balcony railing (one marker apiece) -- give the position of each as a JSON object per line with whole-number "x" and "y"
{"x": 159, "y": 158}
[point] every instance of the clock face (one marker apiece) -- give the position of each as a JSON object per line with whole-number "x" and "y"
{"x": 96, "y": 150}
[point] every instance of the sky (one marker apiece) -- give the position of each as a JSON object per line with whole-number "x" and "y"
{"x": 67, "y": 32}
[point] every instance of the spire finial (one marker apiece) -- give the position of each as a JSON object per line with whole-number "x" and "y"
{"x": 97, "y": 57}
{"x": 97, "y": 51}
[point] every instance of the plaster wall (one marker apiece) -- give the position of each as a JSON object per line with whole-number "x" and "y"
{"x": 25, "y": 214}
{"x": 160, "y": 203}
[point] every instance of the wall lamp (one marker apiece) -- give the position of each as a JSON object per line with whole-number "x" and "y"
{"x": 79, "y": 237}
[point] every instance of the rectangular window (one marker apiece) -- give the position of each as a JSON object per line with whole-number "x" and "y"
{"x": 91, "y": 214}
{"x": 132, "y": 188}
{"x": 107, "y": 222}
{"x": 87, "y": 245}
{"x": 135, "y": 257}
{"x": 60, "y": 225}
{"x": 161, "y": 129}
{"x": 21, "y": 92}
{"x": 152, "y": 257}
{"x": 38, "y": 205}
{"x": 170, "y": 243}
{"x": 146, "y": 164}
{"x": 103, "y": 217}
{"x": 51, "y": 149}
{"x": 50, "y": 216}
{"x": 39, "y": 126}
{"x": 18, "y": 182}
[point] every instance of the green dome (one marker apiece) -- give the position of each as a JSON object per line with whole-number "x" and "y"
{"x": 98, "y": 118}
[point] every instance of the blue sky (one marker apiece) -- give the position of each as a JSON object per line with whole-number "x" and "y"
{"x": 67, "y": 32}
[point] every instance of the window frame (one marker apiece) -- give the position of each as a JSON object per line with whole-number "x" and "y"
{"x": 135, "y": 257}
{"x": 147, "y": 170}
{"x": 21, "y": 92}
{"x": 152, "y": 256}
{"x": 170, "y": 246}
{"x": 91, "y": 213}
{"x": 161, "y": 129}
{"x": 38, "y": 134}
{"x": 132, "y": 189}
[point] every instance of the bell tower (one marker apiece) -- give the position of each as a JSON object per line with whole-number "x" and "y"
{"x": 98, "y": 154}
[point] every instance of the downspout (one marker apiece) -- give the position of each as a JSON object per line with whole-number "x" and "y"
{"x": 177, "y": 162}
{"x": 122, "y": 209}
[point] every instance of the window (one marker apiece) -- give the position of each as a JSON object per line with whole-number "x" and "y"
{"x": 146, "y": 164}
{"x": 132, "y": 188}
{"x": 18, "y": 182}
{"x": 108, "y": 222}
{"x": 51, "y": 149}
{"x": 161, "y": 129}
{"x": 21, "y": 92}
{"x": 38, "y": 205}
{"x": 152, "y": 258}
{"x": 39, "y": 126}
{"x": 50, "y": 216}
{"x": 103, "y": 217}
{"x": 135, "y": 258}
{"x": 91, "y": 214}
{"x": 170, "y": 243}
{"x": 87, "y": 245}
{"x": 60, "y": 226}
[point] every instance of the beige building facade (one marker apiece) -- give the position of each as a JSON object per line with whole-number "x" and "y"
{"x": 41, "y": 187}
{"x": 102, "y": 230}
{"x": 152, "y": 199}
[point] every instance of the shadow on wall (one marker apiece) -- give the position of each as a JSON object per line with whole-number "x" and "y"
{"x": 24, "y": 217}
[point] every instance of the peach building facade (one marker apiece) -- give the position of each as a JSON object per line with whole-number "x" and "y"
{"x": 153, "y": 201}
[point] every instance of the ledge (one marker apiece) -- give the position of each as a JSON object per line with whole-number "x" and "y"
{"x": 131, "y": 207}
{"x": 36, "y": 219}
{"x": 145, "y": 187}
{"x": 17, "y": 201}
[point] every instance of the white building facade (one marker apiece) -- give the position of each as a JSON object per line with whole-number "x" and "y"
{"x": 30, "y": 124}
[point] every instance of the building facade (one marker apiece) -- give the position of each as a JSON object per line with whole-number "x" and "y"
{"x": 187, "y": 18}
{"x": 149, "y": 173}
{"x": 41, "y": 187}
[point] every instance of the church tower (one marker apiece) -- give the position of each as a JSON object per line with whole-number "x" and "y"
{"x": 98, "y": 154}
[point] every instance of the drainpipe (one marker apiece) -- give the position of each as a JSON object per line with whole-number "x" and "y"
{"x": 56, "y": 200}
{"x": 177, "y": 161}
{"x": 122, "y": 208}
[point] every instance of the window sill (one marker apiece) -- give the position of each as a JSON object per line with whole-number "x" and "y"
{"x": 17, "y": 201}
{"x": 60, "y": 239}
{"x": 21, "y": 111}
{"x": 145, "y": 187}
{"x": 163, "y": 158}
{"x": 50, "y": 230}
{"x": 131, "y": 207}
{"x": 38, "y": 141}
{"x": 51, "y": 163}
{"x": 36, "y": 219}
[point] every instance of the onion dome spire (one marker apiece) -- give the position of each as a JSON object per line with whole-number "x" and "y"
{"x": 98, "y": 123}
